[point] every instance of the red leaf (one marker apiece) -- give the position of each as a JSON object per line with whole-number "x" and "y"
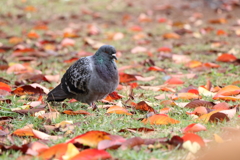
{"x": 226, "y": 57}
{"x": 164, "y": 49}
{"x": 194, "y": 128}
{"x": 155, "y": 68}
{"x": 125, "y": 78}
{"x": 113, "y": 96}
{"x": 174, "y": 81}
{"x": 193, "y": 138}
{"x": 5, "y": 87}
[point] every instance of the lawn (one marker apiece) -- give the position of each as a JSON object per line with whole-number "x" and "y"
{"x": 169, "y": 54}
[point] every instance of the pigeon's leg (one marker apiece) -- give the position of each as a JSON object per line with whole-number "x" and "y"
{"x": 94, "y": 106}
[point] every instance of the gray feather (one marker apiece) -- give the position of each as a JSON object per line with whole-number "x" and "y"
{"x": 90, "y": 78}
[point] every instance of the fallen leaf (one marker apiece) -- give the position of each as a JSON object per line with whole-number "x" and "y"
{"x": 92, "y": 154}
{"x": 118, "y": 110}
{"x": 71, "y": 112}
{"x": 159, "y": 119}
{"x": 194, "y": 127}
{"x": 197, "y": 103}
{"x": 56, "y": 151}
{"x": 171, "y": 36}
{"x": 185, "y": 96}
{"x": 226, "y": 57}
{"x": 144, "y": 107}
{"x": 90, "y": 138}
{"x": 192, "y": 137}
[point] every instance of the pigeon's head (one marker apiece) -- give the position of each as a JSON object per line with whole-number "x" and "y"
{"x": 108, "y": 50}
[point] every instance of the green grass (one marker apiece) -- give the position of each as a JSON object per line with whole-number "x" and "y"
{"x": 58, "y": 15}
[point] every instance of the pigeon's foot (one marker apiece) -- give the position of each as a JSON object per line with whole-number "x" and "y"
{"x": 94, "y": 106}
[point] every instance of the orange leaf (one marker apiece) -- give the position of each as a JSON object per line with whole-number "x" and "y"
{"x": 71, "y": 112}
{"x": 113, "y": 96}
{"x": 54, "y": 152}
{"x": 227, "y": 91}
{"x": 226, "y": 57}
{"x": 15, "y": 40}
{"x": 193, "y": 138}
{"x": 125, "y": 78}
{"x": 171, "y": 36}
{"x": 211, "y": 65}
{"x": 67, "y": 42}
{"x": 174, "y": 81}
{"x": 221, "y": 32}
{"x": 144, "y": 107}
{"x": 30, "y": 9}
{"x": 27, "y": 131}
{"x": 5, "y": 87}
{"x": 193, "y": 64}
{"x": 160, "y": 119}
{"x": 118, "y": 110}
{"x": 218, "y": 21}
{"x": 32, "y": 35}
{"x": 228, "y": 98}
{"x": 155, "y": 68}
{"x": 164, "y": 49}
{"x": 136, "y": 28}
{"x": 92, "y": 154}
{"x": 185, "y": 96}
{"x": 200, "y": 111}
{"x": 194, "y": 127}
{"x": 165, "y": 110}
{"x": 41, "y": 27}
{"x": 90, "y": 138}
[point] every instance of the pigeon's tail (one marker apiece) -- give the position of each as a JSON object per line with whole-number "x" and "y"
{"x": 57, "y": 94}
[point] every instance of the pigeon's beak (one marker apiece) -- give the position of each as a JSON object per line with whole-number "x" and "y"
{"x": 114, "y": 56}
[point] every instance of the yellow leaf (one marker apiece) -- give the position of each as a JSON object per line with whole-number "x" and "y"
{"x": 218, "y": 139}
{"x": 71, "y": 152}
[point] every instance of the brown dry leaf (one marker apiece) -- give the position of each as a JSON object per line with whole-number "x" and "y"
{"x": 28, "y": 90}
{"x": 141, "y": 129}
{"x": 214, "y": 116}
{"x": 198, "y": 103}
{"x": 144, "y": 107}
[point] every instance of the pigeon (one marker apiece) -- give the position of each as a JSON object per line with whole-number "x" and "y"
{"x": 89, "y": 79}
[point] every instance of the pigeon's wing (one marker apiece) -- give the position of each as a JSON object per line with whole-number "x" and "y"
{"x": 75, "y": 80}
